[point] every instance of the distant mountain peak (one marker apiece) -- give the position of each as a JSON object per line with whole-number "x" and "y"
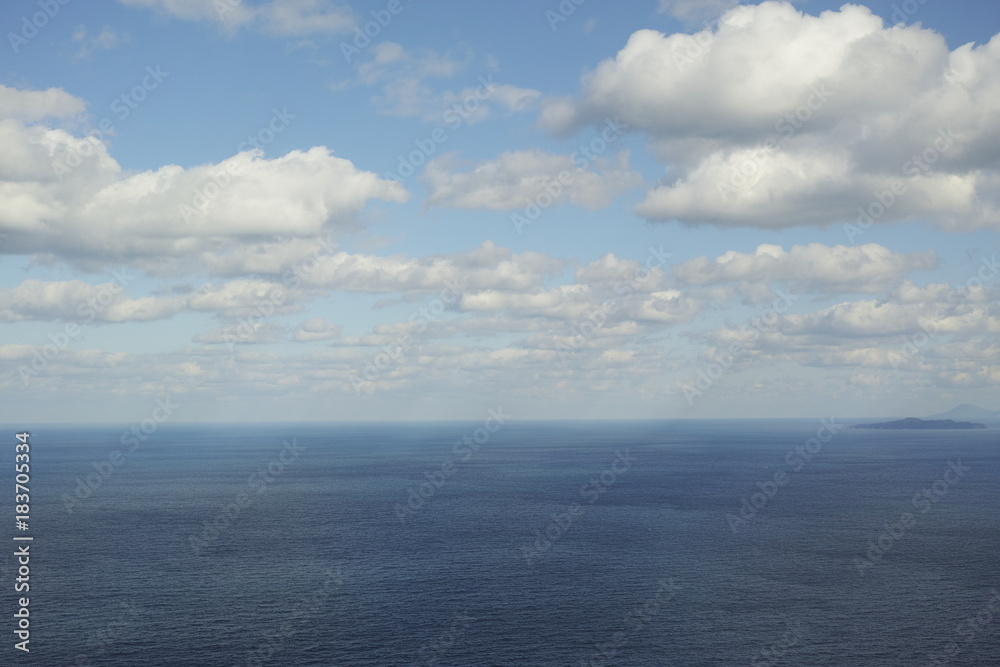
{"x": 967, "y": 411}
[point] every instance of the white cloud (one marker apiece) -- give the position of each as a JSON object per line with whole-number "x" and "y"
{"x": 815, "y": 267}
{"x": 95, "y": 211}
{"x": 317, "y": 328}
{"x": 486, "y": 267}
{"x": 881, "y": 318}
{"x": 282, "y": 18}
{"x": 258, "y": 334}
{"x": 292, "y": 18}
{"x": 691, "y": 11}
{"x": 32, "y": 105}
{"x": 943, "y": 335}
{"x": 758, "y": 66}
{"x": 77, "y": 301}
{"x": 607, "y": 274}
{"x": 509, "y": 96}
{"x": 514, "y": 178}
{"x": 106, "y": 40}
{"x": 405, "y": 79}
{"x": 230, "y": 14}
{"x": 776, "y": 119}
{"x": 237, "y": 299}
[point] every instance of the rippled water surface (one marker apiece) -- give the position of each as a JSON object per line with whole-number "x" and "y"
{"x": 559, "y": 543}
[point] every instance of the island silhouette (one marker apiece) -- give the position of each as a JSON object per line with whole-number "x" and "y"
{"x": 914, "y": 423}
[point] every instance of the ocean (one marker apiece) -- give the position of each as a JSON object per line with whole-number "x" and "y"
{"x": 681, "y": 542}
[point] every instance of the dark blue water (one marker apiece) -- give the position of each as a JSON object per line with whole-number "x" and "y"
{"x": 311, "y": 564}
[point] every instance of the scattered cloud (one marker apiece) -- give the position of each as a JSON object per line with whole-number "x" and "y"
{"x": 280, "y": 18}
{"x": 316, "y": 328}
{"x": 696, "y": 11}
{"x": 105, "y": 40}
{"x": 515, "y": 179}
{"x": 407, "y": 90}
{"x": 813, "y": 268}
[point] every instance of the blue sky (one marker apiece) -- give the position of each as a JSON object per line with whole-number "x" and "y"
{"x": 259, "y": 283}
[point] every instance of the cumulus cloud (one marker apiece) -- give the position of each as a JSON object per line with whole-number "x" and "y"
{"x": 774, "y": 118}
{"x": 67, "y": 196}
{"x": 609, "y": 274}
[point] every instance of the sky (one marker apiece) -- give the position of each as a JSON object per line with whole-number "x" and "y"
{"x": 405, "y": 210}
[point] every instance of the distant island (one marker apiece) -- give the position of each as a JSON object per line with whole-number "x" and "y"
{"x": 914, "y": 423}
